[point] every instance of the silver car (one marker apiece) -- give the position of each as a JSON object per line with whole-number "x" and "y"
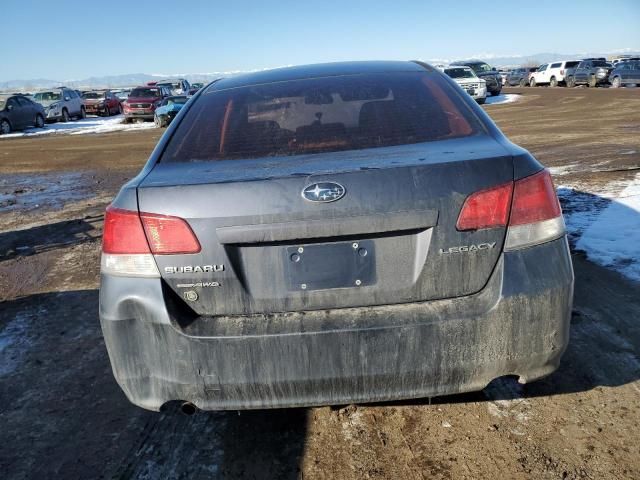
{"x": 61, "y": 104}
{"x": 329, "y": 234}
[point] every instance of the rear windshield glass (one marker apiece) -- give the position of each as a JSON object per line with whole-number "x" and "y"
{"x": 144, "y": 93}
{"x": 321, "y": 115}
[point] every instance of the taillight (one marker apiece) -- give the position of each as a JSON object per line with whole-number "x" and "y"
{"x": 486, "y": 208}
{"x": 123, "y": 232}
{"x": 536, "y": 216}
{"x": 534, "y": 200}
{"x": 529, "y": 207}
{"x": 169, "y": 235}
{"x": 130, "y": 239}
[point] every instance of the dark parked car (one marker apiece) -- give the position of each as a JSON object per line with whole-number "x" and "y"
{"x": 519, "y": 77}
{"x": 487, "y": 73}
{"x": 17, "y": 112}
{"x": 143, "y": 101}
{"x": 101, "y": 102}
{"x": 168, "y": 110}
{"x": 589, "y": 72}
{"x": 625, "y": 73}
{"x": 328, "y": 234}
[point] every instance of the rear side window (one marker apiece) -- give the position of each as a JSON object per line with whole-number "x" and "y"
{"x": 321, "y": 115}
{"x": 555, "y": 65}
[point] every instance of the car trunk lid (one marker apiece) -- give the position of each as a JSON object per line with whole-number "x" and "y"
{"x": 390, "y": 238}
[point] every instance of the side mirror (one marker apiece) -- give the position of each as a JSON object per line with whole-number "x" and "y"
{"x": 9, "y": 107}
{"x": 66, "y": 99}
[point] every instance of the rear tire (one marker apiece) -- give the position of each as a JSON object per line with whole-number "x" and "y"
{"x": 83, "y": 113}
{"x": 570, "y": 82}
{"x": 65, "y": 115}
{"x": 616, "y": 82}
{"x": 39, "y": 122}
{"x": 5, "y": 127}
{"x": 553, "y": 82}
{"x": 119, "y": 109}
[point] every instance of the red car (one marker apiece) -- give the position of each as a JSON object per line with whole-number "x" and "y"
{"x": 101, "y": 102}
{"x": 143, "y": 101}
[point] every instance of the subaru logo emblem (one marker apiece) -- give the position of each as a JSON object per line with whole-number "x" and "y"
{"x": 323, "y": 192}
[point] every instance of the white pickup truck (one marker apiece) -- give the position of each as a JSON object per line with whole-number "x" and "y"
{"x": 551, "y": 74}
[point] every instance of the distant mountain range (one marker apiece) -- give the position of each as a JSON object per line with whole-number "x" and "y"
{"x": 110, "y": 81}
{"x": 133, "y": 79}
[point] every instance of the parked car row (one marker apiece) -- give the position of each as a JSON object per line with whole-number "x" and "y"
{"x": 157, "y": 101}
{"x": 591, "y": 72}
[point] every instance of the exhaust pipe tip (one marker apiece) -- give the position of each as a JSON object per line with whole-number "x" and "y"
{"x": 188, "y": 409}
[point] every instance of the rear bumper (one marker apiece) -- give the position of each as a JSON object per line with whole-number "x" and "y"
{"x": 517, "y": 325}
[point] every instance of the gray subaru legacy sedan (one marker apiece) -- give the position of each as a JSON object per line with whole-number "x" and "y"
{"x": 328, "y": 234}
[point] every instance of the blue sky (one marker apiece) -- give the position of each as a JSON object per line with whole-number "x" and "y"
{"x": 66, "y": 40}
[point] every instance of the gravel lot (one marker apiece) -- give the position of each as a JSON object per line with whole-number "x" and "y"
{"x": 63, "y": 416}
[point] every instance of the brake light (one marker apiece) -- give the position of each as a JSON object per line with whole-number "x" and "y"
{"x": 123, "y": 232}
{"x": 130, "y": 239}
{"x": 529, "y": 207}
{"x": 486, "y": 208}
{"x": 536, "y": 216}
{"x": 169, "y": 235}
{"x": 534, "y": 200}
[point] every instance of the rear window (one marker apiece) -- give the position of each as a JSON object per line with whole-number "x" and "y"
{"x": 320, "y": 115}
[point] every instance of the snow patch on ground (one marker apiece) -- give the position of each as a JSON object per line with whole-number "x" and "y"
{"x": 606, "y": 226}
{"x": 84, "y": 126}
{"x": 503, "y": 98}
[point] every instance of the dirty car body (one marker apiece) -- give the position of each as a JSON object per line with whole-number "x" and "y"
{"x": 328, "y": 234}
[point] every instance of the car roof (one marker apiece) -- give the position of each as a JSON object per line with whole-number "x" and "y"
{"x": 316, "y": 70}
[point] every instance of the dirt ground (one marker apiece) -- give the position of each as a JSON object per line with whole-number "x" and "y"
{"x": 63, "y": 416}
